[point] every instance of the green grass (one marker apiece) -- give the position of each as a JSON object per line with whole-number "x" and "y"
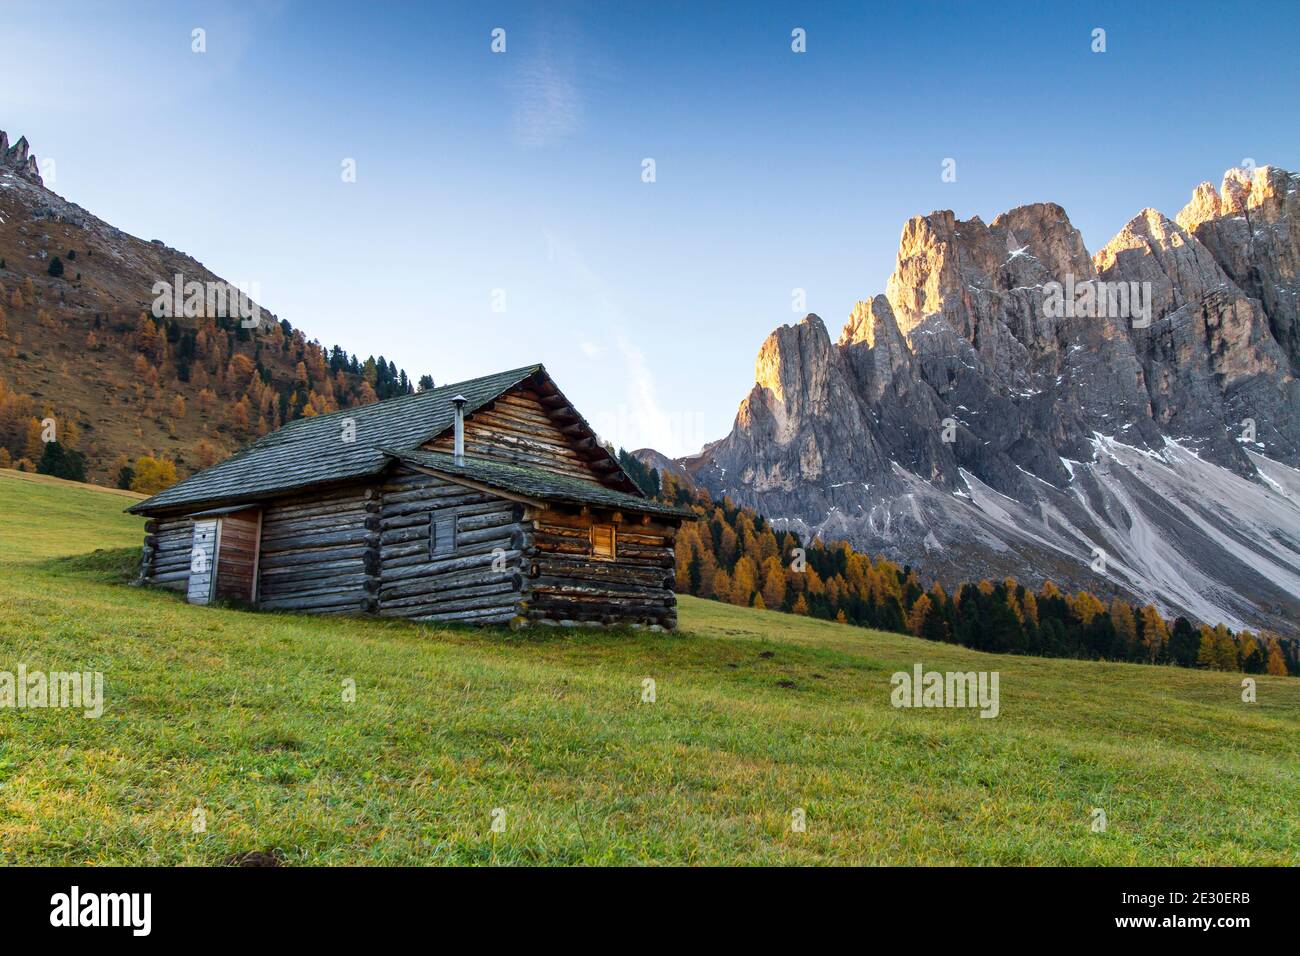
{"x": 757, "y": 713}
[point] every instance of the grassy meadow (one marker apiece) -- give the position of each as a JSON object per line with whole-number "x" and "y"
{"x": 757, "y": 713}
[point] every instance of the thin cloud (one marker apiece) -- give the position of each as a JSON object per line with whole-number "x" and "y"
{"x": 642, "y": 420}
{"x": 651, "y": 424}
{"x": 547, "y": 100}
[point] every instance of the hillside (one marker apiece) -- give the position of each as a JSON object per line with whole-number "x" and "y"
{"x": 91, "y": 348}
{"x": 757, "y": 713}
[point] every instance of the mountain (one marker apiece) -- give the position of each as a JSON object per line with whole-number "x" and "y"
{"x": 1127, "y": 421}
{"x": 85, "y": 341}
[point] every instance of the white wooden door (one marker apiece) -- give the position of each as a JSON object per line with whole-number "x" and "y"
{"x": 203, "y": 559}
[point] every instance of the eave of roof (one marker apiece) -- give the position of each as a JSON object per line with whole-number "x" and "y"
{"x": 535, "y": 483}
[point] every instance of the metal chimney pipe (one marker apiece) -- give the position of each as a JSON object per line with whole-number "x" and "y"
{"x": 459, "y": 446}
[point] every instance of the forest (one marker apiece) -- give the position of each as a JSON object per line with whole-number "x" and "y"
{"x": 733, "y": 554}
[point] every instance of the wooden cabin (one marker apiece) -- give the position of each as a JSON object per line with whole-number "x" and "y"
{"x": 487, "y": 501}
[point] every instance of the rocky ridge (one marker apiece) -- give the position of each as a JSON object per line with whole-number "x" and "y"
{"x": 1014, "y": 405}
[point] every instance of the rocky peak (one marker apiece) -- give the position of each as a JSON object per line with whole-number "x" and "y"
{"x": 18, "y": 158}
{"x": 1251, "y": 226}
{"x": 874, "y": 345}
{"x": 794, "y": 358}
{"x": 927, "y": 275}
{"x": 965, "y": 417}
{"x": 1264, "y": 194}
{"x": 1204, "y": 205}
{"x": 1043, "y": 232}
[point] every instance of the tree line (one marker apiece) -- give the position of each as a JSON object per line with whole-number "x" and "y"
{"x": 733, "y": 554}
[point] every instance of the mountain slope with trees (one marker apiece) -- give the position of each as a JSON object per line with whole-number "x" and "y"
{"x": 82, "y": 344}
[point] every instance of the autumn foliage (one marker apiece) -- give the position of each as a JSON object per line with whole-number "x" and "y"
{"x": 732, "y": 554}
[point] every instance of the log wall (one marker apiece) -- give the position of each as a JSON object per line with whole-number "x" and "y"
{"x": 366, "y": 549}
{"x": 461, "y": 586}
{"x": 566, "y": 584}
{"x": 165, "y": 559}
{"x": 319, "y": 552}
{"x": 517, "y": 430}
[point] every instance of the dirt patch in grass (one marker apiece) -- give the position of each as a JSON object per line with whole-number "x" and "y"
{"x": 256, "y": 858}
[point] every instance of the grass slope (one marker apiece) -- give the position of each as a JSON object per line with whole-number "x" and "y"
{"x": 757, "y": 713}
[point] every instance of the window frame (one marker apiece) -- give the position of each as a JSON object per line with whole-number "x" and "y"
{"x": 613, "y": 541}
{"x": 446, "y": 522}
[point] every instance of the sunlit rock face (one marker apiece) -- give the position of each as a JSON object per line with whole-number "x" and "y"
{"x": 1012, "y": 404}
{"x": 1250, "y": 227}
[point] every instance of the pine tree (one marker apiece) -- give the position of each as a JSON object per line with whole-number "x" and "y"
{"x": 936, "y": 626}
{"x": 1252, "y": 654}
{"x": 61, "y": 463}
{"x": 1184, "y": 643}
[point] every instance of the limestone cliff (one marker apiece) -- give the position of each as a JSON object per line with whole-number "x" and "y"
{"x": 1013, "y": 404}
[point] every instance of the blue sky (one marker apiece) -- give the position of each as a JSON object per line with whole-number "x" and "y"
{"x": 522, "y": 171}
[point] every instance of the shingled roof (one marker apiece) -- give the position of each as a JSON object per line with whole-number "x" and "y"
{"x": 535, "y": 483}
{"x": 310, "y": 451}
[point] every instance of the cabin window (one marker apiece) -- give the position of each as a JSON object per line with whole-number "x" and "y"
{"x": 602, "y": 541}
{"x": 442, "y": 535}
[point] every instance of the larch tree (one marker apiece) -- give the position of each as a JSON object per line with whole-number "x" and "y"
{"x": 773, "y": 582}
{"x": 1276, "y": 662}
{"x": 721, "y": 585}
{"x": 1155, "y": 634}
{"x": 744, "y": 581}
{"x": 916, "y": 617}
{"x": 1121, "y": 615}
{"x": 152, "y": 475}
